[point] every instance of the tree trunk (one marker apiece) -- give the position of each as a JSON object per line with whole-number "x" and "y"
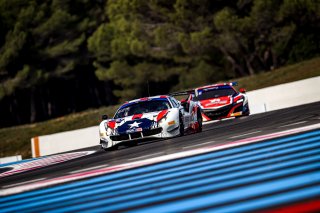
{"x": 13, "y": 109}
{"x": 33, "y": 111}
{"x": 248, "y": 64}
{"x": 236, "y": 67}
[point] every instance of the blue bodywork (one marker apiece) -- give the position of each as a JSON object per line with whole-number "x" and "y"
{"x": 143, "y": 124}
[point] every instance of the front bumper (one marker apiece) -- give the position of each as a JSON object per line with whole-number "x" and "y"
{"x": 223, "y": 112}
{"x": 214, "y": 114}
{"x": 136, "y": 135}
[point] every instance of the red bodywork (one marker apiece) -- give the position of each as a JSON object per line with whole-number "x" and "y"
{"x": 223, "y": 106}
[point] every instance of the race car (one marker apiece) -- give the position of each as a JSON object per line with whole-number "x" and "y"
{"x": 219, "y": 101}
{"x": 150, "y": 117}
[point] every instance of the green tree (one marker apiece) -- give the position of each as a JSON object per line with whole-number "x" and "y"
{"x": 44, "y": 40}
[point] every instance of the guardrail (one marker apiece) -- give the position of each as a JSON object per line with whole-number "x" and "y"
{"x": 284, "y": 95}
{"x": 10, "y": 159}
{"x": 64, "y": 141}
{"x": 262, "y": 100}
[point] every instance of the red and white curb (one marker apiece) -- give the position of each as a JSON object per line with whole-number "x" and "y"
{"x": 145, "y": 162}
{"x": 42, "y": 162}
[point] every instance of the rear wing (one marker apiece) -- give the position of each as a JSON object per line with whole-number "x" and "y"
{"x": 187, "y": 92}
{"x": 219, "y": 84}
{"x": 193, "y": 91}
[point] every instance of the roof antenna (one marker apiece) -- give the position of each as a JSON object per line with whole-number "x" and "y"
{"x": 148, "y": 88}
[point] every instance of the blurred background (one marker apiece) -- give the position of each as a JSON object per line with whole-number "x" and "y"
{"x": 63, "y": 56}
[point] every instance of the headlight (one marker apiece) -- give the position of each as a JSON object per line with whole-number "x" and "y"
{"x": 239, "y": 101}
{"x": 162, "y": 115}
{"x": 161, "y": 122}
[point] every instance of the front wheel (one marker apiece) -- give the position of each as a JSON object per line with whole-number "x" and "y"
{"x": 199, "y": 120}
{"x": 246, "y": 112}
{"x": 113, "y": 148}
{"x": 104, "y": 146}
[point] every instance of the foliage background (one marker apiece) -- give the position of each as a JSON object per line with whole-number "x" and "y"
{"x": 64, "y": 56}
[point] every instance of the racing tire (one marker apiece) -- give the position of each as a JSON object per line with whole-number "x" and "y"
{"x": 181, "y": 126}
{"x": 247, "y": 111}
{"x": 113, "y": 148}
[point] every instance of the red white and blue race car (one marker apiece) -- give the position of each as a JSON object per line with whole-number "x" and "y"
{"x": 151, "y": 117}
{"x": 219, "y": 101}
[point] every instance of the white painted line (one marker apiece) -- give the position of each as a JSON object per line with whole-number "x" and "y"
{"x": 209, "y": 122}
{"x": 245, "y": 117}
{"x": 88, "y": 174}
{"x": 22, "y": 183}
{"x": 250, "y": 133}
{"x": 146, "y": 156}
{"x": 88, "y": 169}
{"x": 196, "y": 145}
{"x": 226, "y": 119}
{"x": 43, "y": 162}
{"x": 301, "y": 122}
{"x": 216, "y": 121}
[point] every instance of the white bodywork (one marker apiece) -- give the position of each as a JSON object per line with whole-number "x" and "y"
{"x": 170, "y": 124}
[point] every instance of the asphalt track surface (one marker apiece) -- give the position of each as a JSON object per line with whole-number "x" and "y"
{"x": 218, "y": 133}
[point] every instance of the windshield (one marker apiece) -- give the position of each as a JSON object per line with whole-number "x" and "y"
{"x": 215, "y": 93}
{"x": 142, "y": 107}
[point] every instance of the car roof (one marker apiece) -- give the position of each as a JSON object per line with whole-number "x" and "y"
{"x": 228, "y": 85}
{"x": 199, "y": 90}
{"x": 158, "y": 97}
{"x": 148, "y": 98}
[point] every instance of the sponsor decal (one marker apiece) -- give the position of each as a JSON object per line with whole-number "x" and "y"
{"x": 216, "y": 102}
{"x": 134, "y": 130}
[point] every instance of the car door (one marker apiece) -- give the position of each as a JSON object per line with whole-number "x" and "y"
{"x": 186, "y": 109}
{"x": 183, "y": 111}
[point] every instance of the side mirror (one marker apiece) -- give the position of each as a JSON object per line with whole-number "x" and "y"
{"x": 242, "y": 90}
{"x": 185, "y": 105}
{"x": 104, "y": 117}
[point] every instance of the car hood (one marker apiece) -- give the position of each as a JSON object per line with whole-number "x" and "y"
{"x": 215, "y": 102}
{"x": 135, "y": 123}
